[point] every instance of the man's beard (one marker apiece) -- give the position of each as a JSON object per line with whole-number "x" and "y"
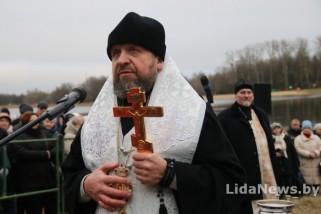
{"x": 246, "y": 103}
{"x": 123, "y": 85}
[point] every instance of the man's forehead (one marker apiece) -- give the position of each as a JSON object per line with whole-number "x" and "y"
{"x": 245, "y": 90}
{"x": 126, "y": 45}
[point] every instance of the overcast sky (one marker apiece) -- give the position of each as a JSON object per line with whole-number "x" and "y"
{"x": 46, "y": 43}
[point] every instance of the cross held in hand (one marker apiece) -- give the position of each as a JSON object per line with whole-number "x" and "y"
{"x": 137, "y": 111}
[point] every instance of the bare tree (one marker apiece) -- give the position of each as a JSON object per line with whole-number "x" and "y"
{"x": 302, "y": 60}
{"x": 93, "y": 86}
{"x": 60, "y": 91}
{"x": 196, "y": 83}
{"x": 246, "y": 61}
{"x": 272, "y": 49}
{"x": 285, "y": 51}
{"x": 258, "y": 55}
{"x": 317, "y": 60}
{"x": 34, "y": 96}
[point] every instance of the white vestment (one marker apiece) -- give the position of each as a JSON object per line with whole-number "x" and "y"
{"x": 175, "y": 135}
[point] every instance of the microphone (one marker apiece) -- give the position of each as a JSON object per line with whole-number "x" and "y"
{"x": 207, "y": 89}
{"x": 65, "y": 104}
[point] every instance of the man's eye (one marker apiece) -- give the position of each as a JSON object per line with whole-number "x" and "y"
{"x": 133, "y": 50}
{"x": 115, "y": 54}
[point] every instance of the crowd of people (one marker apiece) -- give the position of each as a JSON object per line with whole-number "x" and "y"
{"x": 195, "y": 155}
{"x": 291, "y": 153}
{"x": 271, "y": 155}
{"x": 31, "y": 166}
{"x": 305, "y": 138}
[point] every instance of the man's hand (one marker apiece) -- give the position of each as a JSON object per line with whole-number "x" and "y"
{"x": 149, "y": 168}
{"x": 97, "y": 186}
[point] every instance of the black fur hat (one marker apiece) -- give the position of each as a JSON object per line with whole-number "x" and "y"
{"x": 140, "y": 30}
{"x": 241, "y": 84}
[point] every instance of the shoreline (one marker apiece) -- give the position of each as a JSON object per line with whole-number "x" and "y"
{"x": 287, "y": 93}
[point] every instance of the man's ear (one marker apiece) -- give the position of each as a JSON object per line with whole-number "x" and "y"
{"x": 160, "y": 64}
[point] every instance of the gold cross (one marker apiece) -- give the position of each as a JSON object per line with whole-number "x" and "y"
{"x": 137, "y": 111}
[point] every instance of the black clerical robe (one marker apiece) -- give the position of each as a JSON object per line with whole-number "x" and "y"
{"x": 201, "y": 186}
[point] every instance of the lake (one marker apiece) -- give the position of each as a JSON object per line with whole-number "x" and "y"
{"x": 307, "y": 107}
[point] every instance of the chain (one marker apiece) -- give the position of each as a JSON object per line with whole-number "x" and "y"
{"x": 119, "y": 147}
{"x": 242, "y": 112}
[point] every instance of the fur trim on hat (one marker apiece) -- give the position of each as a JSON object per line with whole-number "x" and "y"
{"x": 5, "y": 115}
{"x": 274, "y": 125}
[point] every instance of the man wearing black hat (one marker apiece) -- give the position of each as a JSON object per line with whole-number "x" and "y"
{"x": 41, "y": 108}
{"x": 192, "y": 160}
{"x": 248, "y": 129}
{"x": 22, "y": 109}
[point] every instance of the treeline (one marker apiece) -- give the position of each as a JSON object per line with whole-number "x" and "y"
{"x": 92, "y": 85}
{"x": 284, "y": 64}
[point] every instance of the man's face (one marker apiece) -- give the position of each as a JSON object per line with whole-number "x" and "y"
{"x": 42, "y": 110}
{"x": 133, "y": 66}
{"x": 244, "y": 97}
{"x": 295, "y": 124}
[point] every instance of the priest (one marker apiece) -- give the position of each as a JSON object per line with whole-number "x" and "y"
{"x": 192, "y": 163}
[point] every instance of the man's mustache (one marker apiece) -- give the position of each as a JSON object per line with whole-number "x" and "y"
{"x": 125, "y": 68}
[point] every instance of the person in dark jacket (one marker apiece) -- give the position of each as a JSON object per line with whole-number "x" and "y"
{"x": 50, "y": 127}
{"x": 24, "y": 107}
{"x": 9, "y": 204}
{"x": 294, "y": 129}
{"x": 248, "y": 129}
{"x": 32, "y": 165}
{"x": 286, "y": 155}
{"x": 192, "y": 161}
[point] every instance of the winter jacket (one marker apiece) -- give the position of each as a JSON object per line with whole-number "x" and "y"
{"x": 289, "y": 165}
{"x": 30, "y": 166}
{"x": 240, "y": 134}
{"x": 308, "y": 166}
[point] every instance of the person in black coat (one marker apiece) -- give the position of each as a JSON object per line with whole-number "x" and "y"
{"x": 294, "y": 129}
{"x": 192, "y": 161}
{"x": 237, "y": 123}
{"x": 32, "y": 167}
{"x": 286, "y": 155}
{"x": 9, "y": 204}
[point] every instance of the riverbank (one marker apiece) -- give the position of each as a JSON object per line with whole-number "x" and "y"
{"x": 287, "y": 93}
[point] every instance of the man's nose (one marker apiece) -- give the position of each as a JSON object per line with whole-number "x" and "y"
{"x": 124, "y": 57}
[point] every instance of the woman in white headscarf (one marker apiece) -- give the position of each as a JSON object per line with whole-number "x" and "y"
{"x": 286, "y": 155}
